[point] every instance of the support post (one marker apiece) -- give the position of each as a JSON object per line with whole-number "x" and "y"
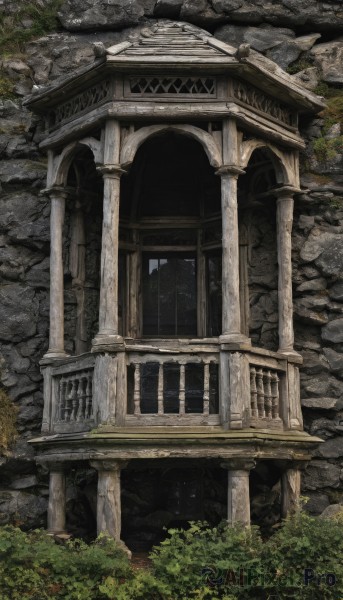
{"x": 56, "y": 336}
{"x": 284, "y": 221}
{"x": 108, "y": 306}
{"x": 290, "y": 488}
{"x": 108, "y": 498}
{"x": 57, "y": 499}
{"x": 229, "y": 172}
{"x": 238, "y": 499}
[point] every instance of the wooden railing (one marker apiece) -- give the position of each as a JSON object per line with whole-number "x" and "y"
{"x": 180, "y": 387}
{"x": 68, "y": 395}
{"x": 264, "y": 393}
{"x": 75, "y": 397}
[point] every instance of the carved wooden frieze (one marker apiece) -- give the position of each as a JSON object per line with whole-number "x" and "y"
{"x": 255, "y": 98}
{"x": 93, "y": 96}
{"x": 172, "y": 86}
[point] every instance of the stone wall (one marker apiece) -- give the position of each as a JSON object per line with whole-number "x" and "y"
{"x": 303, "y": 39}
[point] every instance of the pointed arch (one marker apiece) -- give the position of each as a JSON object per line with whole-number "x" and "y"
{"x": 283, "y": 164}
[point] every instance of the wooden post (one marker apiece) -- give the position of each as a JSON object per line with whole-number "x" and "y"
{"x": 56, "y": 337}
{"x": 284, "y": 221}
{"x": 108, "y": 498}
{"x": 290, "y": 487}
{"x": 108, "y": 306}
{"x": 229, "y": 172}
{"x": 57, "y": 499}
{"x": 238, "y": 500}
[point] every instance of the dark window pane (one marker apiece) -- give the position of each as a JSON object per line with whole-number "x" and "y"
{"x": 169, "y": 296}
{"x": 149, "y": 384}
{"x": 194, "y": 388}
{"x": 171, "y": 374}
{"x": 214, "y": 389}
{"x": 214, "y": 294}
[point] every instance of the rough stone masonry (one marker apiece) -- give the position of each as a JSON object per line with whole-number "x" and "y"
{"x": 303, "y": 38}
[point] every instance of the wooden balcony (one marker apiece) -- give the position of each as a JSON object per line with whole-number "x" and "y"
{"x": 180, "y": 385}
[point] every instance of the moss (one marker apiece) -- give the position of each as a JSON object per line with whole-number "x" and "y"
{"x": 8, "y": 415}
{"x": 14, "y": 36}
{"x": 326, "y": 149}
{"x": 298, "y": 65}
{"x": 6, "y": 86}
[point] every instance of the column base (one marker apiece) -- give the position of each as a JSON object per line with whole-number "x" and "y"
{"x": 235, "y": 338}
{"x": 102, "y": 340}
{"x": 53, "y": 355}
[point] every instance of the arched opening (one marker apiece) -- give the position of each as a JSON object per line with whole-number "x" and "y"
{"x": 258, "y": 250}
{"x": 170, "y": 242}
{"x": 82, "y": 248}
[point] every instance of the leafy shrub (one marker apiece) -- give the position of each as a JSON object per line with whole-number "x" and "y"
{"x": 302, "y": 555}
{"x": 302, "y": 560}
{"x": 33, "y": 566}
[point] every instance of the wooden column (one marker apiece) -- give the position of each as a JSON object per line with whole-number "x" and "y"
{"x": 57, "y": 499}
{"x": 284, "y": 221}
{"x": 108, "y": 306}
{"x": 290, "y": 487}
{"x": 108, "y": 498}
{"x": 56, "y": 337}
{"x": 229, "y": 172}
{"x": 238, "y": 498}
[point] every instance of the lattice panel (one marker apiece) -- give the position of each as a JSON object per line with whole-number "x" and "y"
{"x": 260, "y": 101}
{"x": 90, "y": 97}
{"x": 173, "y": 86}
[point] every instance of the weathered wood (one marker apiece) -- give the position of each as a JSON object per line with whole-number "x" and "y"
{"x": 238, "y": 497}
{"x": 157, "y": 420}
{"x": 238, "y": 390}
{"x": 46, "y": 420}
{"x": 57, "y": 500}
{"x": 108, "y": 305}
{"x": 284, "y": 218}
{"x": 105, "y": 392}
{"x": 294, "y": 403}
{"x": 108, "y": 497}
{"x": 56, "y": 335}
{"x": 290, "y": 491}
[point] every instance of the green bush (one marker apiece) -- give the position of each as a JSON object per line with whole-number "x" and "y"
{"x": 302, "y": 560}
{"x": 33, "y": 566}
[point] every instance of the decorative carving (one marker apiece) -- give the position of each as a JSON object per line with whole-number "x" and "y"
{"x": 157, "y": 86}
{"x": 90, "y": 97}
{"x": 75, "y": 397}
{"x": 255, "y": 98}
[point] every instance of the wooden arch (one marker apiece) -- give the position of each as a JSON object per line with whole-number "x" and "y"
{"x": 62, "y": 162}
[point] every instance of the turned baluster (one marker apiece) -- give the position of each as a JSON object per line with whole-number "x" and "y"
{"x": 182, "y": 394}
{"x": 74, "y": 399}
{"x": 268, "y": 395}
{"x": 80, "y": 399}
{"x": 253, "y": 393}
{"x": 62, "y": 399}
{"x": 260, "y": 393}
{"x": 275, "y": 396}
{"x": 206, "y": 396}
{"x": 160, "y": 390}
{"x": 88, "y": 407}
{"x": 137, "y": 390}
{"x": 68, "y": 400}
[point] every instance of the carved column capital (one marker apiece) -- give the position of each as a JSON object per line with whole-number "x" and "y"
{"x": 285, "y": 191}
{"x": 239, "y": 464}
{"x": 111, "y": 171}
{"x": 232, "y": 170}
{"x": 56, "y": 192}
{"x": 108, "y": 464}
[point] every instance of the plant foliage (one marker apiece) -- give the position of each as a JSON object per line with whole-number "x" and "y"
{"x": 8, "y": 415}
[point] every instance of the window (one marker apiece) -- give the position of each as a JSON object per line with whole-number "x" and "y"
{"x": 169, "y": 295}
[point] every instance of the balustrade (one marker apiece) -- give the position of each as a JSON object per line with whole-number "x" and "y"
{"x": 75, "y": 397}
{"x": 173, "y": 385}
{"x": 264, "y": 394}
